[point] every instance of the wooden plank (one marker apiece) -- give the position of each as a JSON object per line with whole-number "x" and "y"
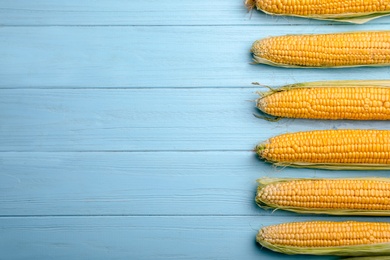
{"x": 154, "y": 238}
{"x": 153, "y": 183}
{"x": 141, "y": 120}
{"x": 152, "y": 57}
{"x": 152, "y": 12}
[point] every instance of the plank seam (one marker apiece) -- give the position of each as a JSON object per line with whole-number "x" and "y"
{"x": 125, "y": 151}
{"x": 155, "y": 215}
{"x": 180, "y": 25}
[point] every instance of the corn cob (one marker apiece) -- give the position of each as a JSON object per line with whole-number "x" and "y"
{"x": 338, "y": 10}
{"x": 347, "y": 238}
{"x": 371, "y": 48}
{"x": 329, "y": 149}
{"x": 355, "y": 100}
{"x": 360, "y": 196}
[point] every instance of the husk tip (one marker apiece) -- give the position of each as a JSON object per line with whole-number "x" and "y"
{"x": 250, "y": 4}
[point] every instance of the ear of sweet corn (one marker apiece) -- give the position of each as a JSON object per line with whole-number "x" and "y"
{"x": 370, "y": 48}
{"x": 350, "y": 99}
{"x": 329, "y": 149}
{"x": 348, "y": 238}
{"x": 351, "y": 11}
{"x": 359, "y": 196}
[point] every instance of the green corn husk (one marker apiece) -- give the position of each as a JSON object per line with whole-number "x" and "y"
{"x": 359, "y": 250}
{"x": 264, "y": 182}
{"x": 259, "y": 60}
{"x": 385, "y": 84}
{"x": 328, "y": 84}
{"x": 368, "y": 258}
{"x": 377, "y": 249}
{"x": 355, "y": 18}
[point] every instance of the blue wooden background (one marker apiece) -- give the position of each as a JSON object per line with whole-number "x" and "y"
{"x": 126, "y": 128}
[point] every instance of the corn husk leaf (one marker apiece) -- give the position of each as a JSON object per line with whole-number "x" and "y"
{"x": 263, "y": 182}
{"x": 329, "y": 84}
{"x": 327, "y": 166}
{"x": 356, "y": 250}
{"x": 368, "y": 258}
{"x": 259, "y": 60}
{"x": 356, "y": 18}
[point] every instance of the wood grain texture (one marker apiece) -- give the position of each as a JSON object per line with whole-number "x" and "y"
{"x": 171, "y": 237}
{"x": 126, "y": 128}
{"x": 155, "y": 183}
{"x": 151, "y": 13}
{"x": 153, "y": 57}
{"x": 142, "y": 120}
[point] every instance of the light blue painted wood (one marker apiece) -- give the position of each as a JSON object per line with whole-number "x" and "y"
{"x": 155, "y": 183}
{"x": 152, "y": 12}
{"x": 126, "y": 131}
{"x": 142, "y": 120}
{"x": 169, "y": 237}
{"x": 153, "y": 57}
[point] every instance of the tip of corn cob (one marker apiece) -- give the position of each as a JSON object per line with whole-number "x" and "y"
{"x": 261, "y": 104}
{"x": 260, "y": 149}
